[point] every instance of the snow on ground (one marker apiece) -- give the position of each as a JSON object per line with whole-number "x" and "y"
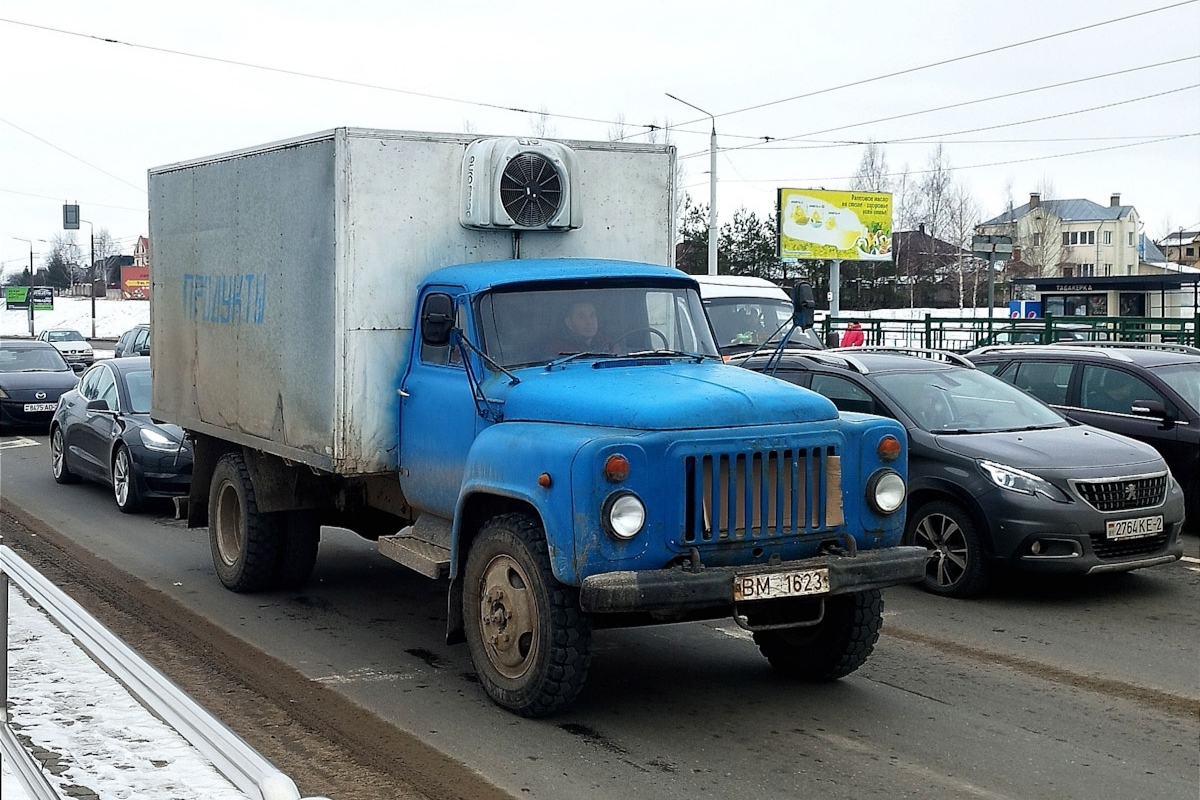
{"x": 113, "y": 317}
{"x": 104, "y": 740}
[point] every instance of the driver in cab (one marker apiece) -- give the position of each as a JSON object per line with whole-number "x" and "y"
{"x": 580, "y": 333}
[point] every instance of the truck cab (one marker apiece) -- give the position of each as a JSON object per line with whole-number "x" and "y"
{"x": 640, "y": 481}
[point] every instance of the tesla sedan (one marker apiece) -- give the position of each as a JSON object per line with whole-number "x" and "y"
{"x": 102, "y": 431}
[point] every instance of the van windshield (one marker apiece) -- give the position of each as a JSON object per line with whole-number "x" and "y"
{"x": 535, "y": 325}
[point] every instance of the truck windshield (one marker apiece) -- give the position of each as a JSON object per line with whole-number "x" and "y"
{"x": 529, "y": 326}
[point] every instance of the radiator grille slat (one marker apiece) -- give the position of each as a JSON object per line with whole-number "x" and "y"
{"x": 1124, "y": 494}
{"x": 761, "y": 494}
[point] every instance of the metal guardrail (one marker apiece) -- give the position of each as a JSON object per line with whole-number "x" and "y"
{"x": 233, "y": 757}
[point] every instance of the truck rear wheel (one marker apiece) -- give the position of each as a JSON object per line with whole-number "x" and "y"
{"x": 529, "y": 640}
{"x": 297, "y": 549}
{"x": 839, "y": 644}
{"x": 245, "y": 543}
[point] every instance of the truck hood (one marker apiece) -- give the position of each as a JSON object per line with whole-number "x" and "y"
{"x": 1058, "y": 450}
{"x": 655, "y": 394}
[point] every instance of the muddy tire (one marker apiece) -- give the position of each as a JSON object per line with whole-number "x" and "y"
{"x": 58, "y": 458}
{"x": 948, "y": 532}
{"x": 831, "y": 649}
{"x": 245, "y": 543}
{"x": 124, "y": 482}
{"x": 529, "y": 640}
{"x": 298, "y": 545}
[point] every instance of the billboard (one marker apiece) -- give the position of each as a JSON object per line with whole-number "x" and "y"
{"x": 852, "y": 226}
{"x": 19, "y": 296}
{"x": 135, "y": 283}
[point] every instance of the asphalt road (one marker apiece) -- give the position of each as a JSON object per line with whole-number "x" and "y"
{"x": 1040, "y": 689}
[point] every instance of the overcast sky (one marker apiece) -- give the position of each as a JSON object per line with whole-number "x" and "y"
{"x": 82, "y": 118}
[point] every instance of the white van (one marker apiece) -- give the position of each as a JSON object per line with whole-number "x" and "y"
{"x": 746, "y": 312}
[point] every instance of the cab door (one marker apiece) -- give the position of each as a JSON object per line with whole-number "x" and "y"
{"x": 438, "y": 418}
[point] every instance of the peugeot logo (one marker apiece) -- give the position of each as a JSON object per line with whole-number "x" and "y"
{"x": 1130, "y": 491}
{"x": 40, "y": 396}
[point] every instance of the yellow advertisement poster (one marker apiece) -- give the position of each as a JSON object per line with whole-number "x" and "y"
{"x": 852, "y": 226}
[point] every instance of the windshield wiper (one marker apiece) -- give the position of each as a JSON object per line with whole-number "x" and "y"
{"x": 668, "y": 354}
{"x": 567, "y": 357}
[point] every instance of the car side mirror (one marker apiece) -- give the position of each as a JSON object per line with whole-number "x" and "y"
{"x": 804, "y": 307}
{"x": 98, "y": 405}
{"x": 78, "y": 368}
{"x": 437, "y": 320}
{"x": 1153, "y": 409}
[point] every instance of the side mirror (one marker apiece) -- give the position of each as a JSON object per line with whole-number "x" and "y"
{"x": 437, "y": 320}
{"x": 78, "y": 368}
{"x": 98, "y": 405}
{"x": 1152, "y": 409}
{"x": 803, "y": 306}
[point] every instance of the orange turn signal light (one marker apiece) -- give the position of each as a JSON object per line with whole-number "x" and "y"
{"x": 616, "y": 468}
{"x": 889, "y": 448}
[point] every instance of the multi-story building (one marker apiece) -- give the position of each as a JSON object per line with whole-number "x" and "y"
{"x": 1085, "y": 259}
{"x": 1071, "y": 238}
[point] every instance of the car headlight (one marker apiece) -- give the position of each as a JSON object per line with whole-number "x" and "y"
{"x": 157, "y": 440}
{"x": 886, "y": 491}
{"x": 1015, "y": 480}
{"x": 623, "y": 515}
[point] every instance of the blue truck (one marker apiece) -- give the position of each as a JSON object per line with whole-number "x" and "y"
{"x": 474, "y": 351}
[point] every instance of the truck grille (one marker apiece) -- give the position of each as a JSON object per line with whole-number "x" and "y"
{"x": 763, "y": 494}
{"x": 1124, "y": 494}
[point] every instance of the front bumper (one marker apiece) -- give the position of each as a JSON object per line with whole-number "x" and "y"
{"x": 678, "y": 589}
{"x": 1035, "y": 535}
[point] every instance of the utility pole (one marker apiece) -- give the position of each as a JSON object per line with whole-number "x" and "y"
{"x": 29, "y": 297}
{"x": 712, "y": 186}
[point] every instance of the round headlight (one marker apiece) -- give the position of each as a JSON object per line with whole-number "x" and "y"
{"x": 885, "y": 491}
{"x": 623, "y": 515}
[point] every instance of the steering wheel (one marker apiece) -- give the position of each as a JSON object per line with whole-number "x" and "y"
{"x": 666, "y": 345}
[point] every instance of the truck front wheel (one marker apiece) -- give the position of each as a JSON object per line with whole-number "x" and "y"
{"x": 529, "y": 640}
{"x": 833, "y": 648}
{"x": 245, "y": 543}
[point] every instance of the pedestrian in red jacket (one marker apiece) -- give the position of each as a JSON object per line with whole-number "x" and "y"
{"x": 853, "y": 337}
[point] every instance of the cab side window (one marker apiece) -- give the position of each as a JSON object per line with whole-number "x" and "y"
{"x": 446, "y": 355}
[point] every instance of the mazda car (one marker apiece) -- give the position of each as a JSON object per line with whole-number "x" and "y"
{"x": 33, "y": 375}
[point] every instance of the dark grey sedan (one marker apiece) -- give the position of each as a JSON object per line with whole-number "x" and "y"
{"x": 32, "y": 377}
{"x": 998, "y": 478}
{"x": 102, "y": 430}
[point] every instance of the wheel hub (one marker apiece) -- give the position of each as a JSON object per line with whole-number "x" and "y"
{"x": 507, "y": 617}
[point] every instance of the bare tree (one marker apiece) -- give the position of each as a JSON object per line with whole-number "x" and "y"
{"x": 872, "y": 175}
{"x": 540, "y": 124}
{"x": 618, "y": 131}
{"x": 962, "y": 217}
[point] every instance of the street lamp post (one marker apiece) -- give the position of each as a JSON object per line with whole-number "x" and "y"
{"x": 712, "y": 186}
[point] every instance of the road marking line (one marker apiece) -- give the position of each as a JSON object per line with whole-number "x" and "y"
{"x": 1191, "y": 560}
{"x": 20, "y": 441}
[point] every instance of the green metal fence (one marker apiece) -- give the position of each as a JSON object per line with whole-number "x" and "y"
{"x": 960, "y": 335}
